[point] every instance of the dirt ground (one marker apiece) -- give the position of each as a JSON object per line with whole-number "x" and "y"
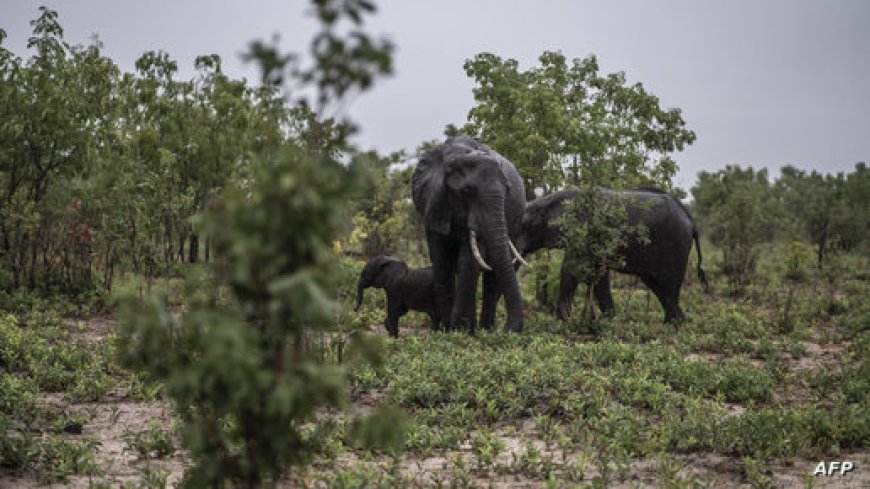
{"x": 116, "y": 415}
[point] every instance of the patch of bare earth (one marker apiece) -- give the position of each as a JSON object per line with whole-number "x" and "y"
{"x": 94, "y": 330}
{"x": 117, "y": 415}
{"x": 819, "y": 356}
{"x": 112, "y": 418}
{"x": 714, "y": 470}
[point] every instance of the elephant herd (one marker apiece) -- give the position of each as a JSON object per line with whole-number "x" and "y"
{"x": 473, "y": 205}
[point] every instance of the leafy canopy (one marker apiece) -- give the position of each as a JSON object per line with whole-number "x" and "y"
{"x": 564, "y": 123}
{"x": 738, "y": 211}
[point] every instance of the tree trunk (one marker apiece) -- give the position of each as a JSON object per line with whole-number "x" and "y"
{"x": 33, "y": 265}
{"x": 193, "y": 251}
{"x": 180, "y": 255}
{"x": 823, "y": 240}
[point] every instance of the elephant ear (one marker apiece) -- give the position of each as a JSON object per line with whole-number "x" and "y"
{"x": 503, "y": 164}
{"x": 554, "y": 208}
{"x": 393, "y": 271}
{"x": 430, "y": 192}
{"x": 555, "y": 203}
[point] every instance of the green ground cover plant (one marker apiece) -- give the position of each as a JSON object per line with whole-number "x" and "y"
{"x": 185, "y": 297}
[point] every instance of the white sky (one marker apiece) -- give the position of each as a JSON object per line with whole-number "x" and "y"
{"x": 763, "y": 83}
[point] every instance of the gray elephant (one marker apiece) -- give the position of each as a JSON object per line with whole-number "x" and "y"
{"x": 660, "y": 263}
{"x": 407, "y": 290}
{"x": 472, "y": 201}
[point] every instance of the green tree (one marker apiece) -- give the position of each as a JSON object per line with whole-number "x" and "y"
{"x": 241, "y": 372}
{"x": 562, "y": 123}
{"x": 102, "y": 171}
{"x": 593, "y": 228}
{"x": 852, "y": 225}
{"x": 809, "y": 199}
{"x": 826, "y": 208}
{"x": 738, "y": 210}
{"x": 55, "y": 106}
{"x": 385, "y": 221}
{"x": 567, "y": 124}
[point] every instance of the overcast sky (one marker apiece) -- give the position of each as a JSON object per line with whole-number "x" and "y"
{"x": 763, "y": 83}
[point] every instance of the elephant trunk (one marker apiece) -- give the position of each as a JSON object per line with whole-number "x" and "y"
{"x": 361, "y": 286}
{"x": 500, "y": 257}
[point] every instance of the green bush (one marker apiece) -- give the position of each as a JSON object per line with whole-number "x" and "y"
{"x": 155, "y": 441}
{"x": 244, "y": 375}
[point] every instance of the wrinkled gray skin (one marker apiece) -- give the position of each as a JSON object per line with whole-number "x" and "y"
{"x": 461, "y": 186}
{"x": 660, "y": 264}
{"x": 407, "y": 290}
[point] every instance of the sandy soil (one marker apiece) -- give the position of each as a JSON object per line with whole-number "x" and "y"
{"x": 117, "y": 415}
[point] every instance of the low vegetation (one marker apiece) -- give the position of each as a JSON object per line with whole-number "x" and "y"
{"x": 620, "y": 399}
{"x": 176, "y": 305}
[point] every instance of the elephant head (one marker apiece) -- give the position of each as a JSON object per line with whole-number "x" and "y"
{"x": 537, "y": 229}
{"x": 380, "y": 272}
{"x": 470, "y": 197}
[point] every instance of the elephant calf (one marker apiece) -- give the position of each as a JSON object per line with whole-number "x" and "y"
{"x": 407, "y": 290}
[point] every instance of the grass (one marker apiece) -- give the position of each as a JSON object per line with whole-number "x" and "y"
{"x": 41, "y": 360}
{"x": 777, "y": 375}
{"x": 730, "y": 381}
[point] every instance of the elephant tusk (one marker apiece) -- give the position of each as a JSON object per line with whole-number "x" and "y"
{"x": 516, "y": 253}
{"x": 476, "y": 252}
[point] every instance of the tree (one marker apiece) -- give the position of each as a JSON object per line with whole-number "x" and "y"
{"x": 55, "y": 106}
{"x": 385, "y": 221}
{"x": 593, "y": 230}
{"x": 557, "y": 122}
{"x": 738, "y": 210}
{"x": 809, "y": 200}
{"x": 102, "y": 170}
{"x": 852, "y": 225}
{"x": 241, "y": 373}
{"x": 568, "y": 125}
{"x": 826, "y": 207}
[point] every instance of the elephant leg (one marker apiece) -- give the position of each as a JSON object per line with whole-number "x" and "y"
{"x": 567, "y": 287}
{"x": 464, "y": 301}
{"x": 391, "y": 323}
{"x": 679, "y": 315}
{"x": 491, "y": 294}
{"x": 443, "y": 256}
{"x": 667, "y": 297}
{"x": 603, "y": 296}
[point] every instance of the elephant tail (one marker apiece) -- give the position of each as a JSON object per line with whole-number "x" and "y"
{"x": 701, "y": 275}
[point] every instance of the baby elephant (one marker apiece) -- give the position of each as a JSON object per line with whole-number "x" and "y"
{"x": 407, "y": 290}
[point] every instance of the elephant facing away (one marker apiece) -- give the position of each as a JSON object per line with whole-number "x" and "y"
{"x": 407, "y": 290}
{"x": 472, "y": 201}
{"x": 660, "y": 264}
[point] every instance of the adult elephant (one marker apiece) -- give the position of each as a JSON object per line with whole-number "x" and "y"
{"x": 472, "y": 201}
{"x": 660, "y": 263}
